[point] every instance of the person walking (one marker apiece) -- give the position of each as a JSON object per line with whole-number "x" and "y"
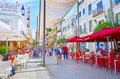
{"x": 35, "y": 50}
{"x": 58, "y": 55}
{"x": 65, "y": 51}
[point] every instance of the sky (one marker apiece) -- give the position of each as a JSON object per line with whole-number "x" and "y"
{"x": 71, "y": 11}
{"x": 34, "y": 11}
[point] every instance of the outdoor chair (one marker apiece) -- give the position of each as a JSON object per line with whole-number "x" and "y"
{"x": 5, "y": 69}
{"x": 118, "y": 65}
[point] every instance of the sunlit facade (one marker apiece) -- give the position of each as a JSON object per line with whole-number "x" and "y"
{"x": 89, "y": 12}
{"x": 17, "y": 18}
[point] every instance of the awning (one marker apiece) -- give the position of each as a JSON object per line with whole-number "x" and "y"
{"x": 75, "y": 39}
{"x": 55, "y": 11}
{"x": 112, "y": 34}
{"x": 102, "y": 35}
{"x": 6, "y": 33}
{"x": 96, "y": 37}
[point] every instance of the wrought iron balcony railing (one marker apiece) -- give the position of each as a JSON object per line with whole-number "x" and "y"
{"x": 98, "y": 11}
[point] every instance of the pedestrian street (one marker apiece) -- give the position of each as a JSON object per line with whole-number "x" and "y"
{"x": 69, "y": 69}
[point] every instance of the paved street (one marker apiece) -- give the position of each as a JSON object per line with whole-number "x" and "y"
{"x": 71, "y": 70}
{"x": 33, "y": 71}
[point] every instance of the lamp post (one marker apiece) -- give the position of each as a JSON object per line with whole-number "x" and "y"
{"x": 44, "y": 24}
{"x": 22, "y": 10}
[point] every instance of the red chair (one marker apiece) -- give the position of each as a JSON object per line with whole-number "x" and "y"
{"x": 99, "y": 62}
{"x": 77, "y": 57}
{"x": 87, "y": 58}
{"x": 92, "y": 60}
{"x": 118, "y": 65}
{"x": 71, "y": 54}
{"x": 111, "y": 61}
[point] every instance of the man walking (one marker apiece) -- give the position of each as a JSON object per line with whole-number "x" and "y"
{"x": 65, "y": 51}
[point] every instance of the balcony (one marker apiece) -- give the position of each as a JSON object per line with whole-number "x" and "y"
{"x": 98, "y": 11}
{"x": 116, "y": 3}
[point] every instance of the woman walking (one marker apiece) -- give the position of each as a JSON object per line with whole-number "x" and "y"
{"x": 58, "y": 55}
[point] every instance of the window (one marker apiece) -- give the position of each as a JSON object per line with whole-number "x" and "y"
{"x": 101, "y": 21}
{"x": 90, "y": 26}
{"x": 68, "y": 27}
{"x": 79, "y": 15}
{"x": 84, "y": 28}
{"x": 117, "y": 1}
{"x": 80, "y": 29}
{"x": 118, "y": 17}
{"x": 28, "y": 18}
{"x": 28, "y": 25}
{"x": 83, "y": 11}
{"x": 72, "y": 22}
{"x": 65, "y": 28}
{"x": 89, "y": 9}
{"x": 99, "y": 6}
{"x": 76, "y": 16}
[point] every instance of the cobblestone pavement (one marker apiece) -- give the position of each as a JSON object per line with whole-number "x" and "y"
{"x": 69, "y": 69}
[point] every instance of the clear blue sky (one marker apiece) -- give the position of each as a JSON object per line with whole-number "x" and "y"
{"x": 71, "y": 11}
{"x": 34, "y": 9}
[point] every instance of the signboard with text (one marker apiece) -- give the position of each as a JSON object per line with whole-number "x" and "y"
{"x": 9, "y": 7}
{"x": 13, "y": 8}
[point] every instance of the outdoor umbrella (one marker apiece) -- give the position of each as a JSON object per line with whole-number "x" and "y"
{"x": 113, "y": 33}
{"x": 97, "y": 36}
{"x": 75, "y": 39}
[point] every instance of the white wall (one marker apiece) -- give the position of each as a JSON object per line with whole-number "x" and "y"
{"x": 13, "y": 20}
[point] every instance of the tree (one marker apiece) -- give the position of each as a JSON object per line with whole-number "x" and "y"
{"x": 49, "y": 29}
{"x": 106, "y": 23}
{"x": 61, "y": 40}
{"x": 35, "y": 42}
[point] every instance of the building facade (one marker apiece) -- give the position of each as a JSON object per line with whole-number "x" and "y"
{"x": 90, "y": 13}
{"x": 17, "y": 17}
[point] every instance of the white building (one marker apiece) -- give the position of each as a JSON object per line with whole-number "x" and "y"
{"x": 67, "y": 27}
{"x": 89, "y": 11}
{"x": 14, "y": 15}
{"x": 17, "y": 17}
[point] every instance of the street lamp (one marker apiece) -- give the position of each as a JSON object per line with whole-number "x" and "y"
{"x": 22, "y": 10}
{"x": 44, "y": 24}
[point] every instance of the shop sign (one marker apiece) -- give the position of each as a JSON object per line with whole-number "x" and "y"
{"x": 9, "y": 7}
{"x": 13, "y": 28}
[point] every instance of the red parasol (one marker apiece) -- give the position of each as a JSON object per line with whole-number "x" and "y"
{"x": 97, "y": 36}
{"x": 75, "y": 39}
{"x": 113, "y": 33}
